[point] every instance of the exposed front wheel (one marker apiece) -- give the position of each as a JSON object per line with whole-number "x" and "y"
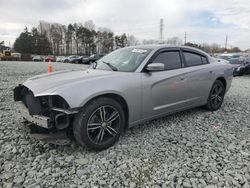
{"x": 99, "y": 124}
{"x": 216, "y": 96}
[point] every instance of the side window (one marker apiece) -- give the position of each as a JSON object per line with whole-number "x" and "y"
{"x": 192, "y": 59}
{"x": 171, "y": 60}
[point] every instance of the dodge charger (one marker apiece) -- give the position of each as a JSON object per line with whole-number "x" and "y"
{"x": 124, "y": 88}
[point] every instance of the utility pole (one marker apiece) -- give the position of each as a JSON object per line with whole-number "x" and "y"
{"x": 185, "y": 38}
{"x": 161, "y": 30}
{"x": 226, "y": 43}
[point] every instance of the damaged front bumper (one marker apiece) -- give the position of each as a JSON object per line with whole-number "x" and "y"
{"x": 41, "y": 121}
{"x": 48, "y": 117}
{"x": 42, "y": 134}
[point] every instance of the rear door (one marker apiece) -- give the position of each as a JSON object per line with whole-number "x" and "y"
{"x": 164, "y": 91}
{"x": 199, "y": 77}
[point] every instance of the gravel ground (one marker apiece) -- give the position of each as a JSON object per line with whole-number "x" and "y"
{"x": 194, "y": 148}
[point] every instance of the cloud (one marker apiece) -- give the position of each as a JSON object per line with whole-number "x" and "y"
{"x": 204, "y": 21}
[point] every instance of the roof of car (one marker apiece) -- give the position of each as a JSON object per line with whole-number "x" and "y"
{"x": 159, "y": 46}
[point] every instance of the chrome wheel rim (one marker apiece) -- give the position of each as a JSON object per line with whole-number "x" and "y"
{"x": 217, "y": 95}
{"x": 103, "y": 125}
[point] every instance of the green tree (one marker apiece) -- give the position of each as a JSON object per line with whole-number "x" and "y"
{"x": 35, "y": 41}
{"x": 121, "y": 41}
{"x": 24, "y": 43}
{"x": 44, "y": 45}
{"x": 32, "y": 43}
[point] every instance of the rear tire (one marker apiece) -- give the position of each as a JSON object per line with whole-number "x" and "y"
{"x": 216, "y": 96}
{"x": 99, "y": 124}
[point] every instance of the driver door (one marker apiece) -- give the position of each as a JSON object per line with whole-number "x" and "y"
{"x": 164, "y": 91}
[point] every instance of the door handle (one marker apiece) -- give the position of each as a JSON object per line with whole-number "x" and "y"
{"x": 211, "y": 72}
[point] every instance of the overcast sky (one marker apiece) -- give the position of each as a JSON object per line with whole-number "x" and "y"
{"x": 204, "y": 20}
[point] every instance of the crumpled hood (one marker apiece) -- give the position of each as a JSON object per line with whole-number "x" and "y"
{"x": 49, "y": 83}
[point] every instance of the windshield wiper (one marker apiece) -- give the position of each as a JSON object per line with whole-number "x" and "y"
{"x": 110, "y": 66}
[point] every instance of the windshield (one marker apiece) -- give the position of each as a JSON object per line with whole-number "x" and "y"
{"x": 124, "y": 60}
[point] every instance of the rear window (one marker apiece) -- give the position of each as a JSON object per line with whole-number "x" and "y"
{"x": 192, "y": 59}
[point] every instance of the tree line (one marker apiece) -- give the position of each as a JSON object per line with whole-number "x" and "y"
{"x": 213, "y": 48}
{"x": 74, "y": 38}
{"x": 86, "y": 39}
{"x": 209, "y": 48}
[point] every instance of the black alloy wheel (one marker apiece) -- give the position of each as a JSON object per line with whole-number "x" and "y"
{"x": 99, "y": 124}
{"x": 216, "y": 96}
{"x": 103, "y": 124}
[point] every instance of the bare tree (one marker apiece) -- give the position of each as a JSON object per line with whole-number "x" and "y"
{"x": 150, "y": 41}
{"x": 89, "y": 25}
{"x": 104, "y": 40}
{"x": 132, "y": 41}
{"x": 56, "y": 33}
{"x": 174, "y": 41}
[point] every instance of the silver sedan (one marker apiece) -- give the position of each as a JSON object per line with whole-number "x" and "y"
{"x": 124, "y": 88}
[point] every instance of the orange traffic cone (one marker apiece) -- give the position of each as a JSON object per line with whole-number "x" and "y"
{"x": 50, "y": 68}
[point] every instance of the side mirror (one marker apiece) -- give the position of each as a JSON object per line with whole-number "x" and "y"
{"x": 155, "y": 67}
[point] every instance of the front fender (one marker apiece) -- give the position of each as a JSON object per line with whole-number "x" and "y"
{"x": 128, "y": 87}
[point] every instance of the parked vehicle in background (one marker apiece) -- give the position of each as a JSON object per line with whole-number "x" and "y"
{"x": 6, "y": 55}
{"x": 76, "y": 60}
{"x": 80, "y": 60}
{"x": 26, "y": 57}
{"x": 126, "y": 87}
{"x": 16, "y": 56}
{"x": 239, "y": 66}
{"x": 85, "y": 60}
{"x": 91, "y": 59}
{"x": 95, "y": 57}
{"x": 240, "y": 63}
{"x": 50, "y": 58}
{"x": 228, "y": 56}
{"x": 69, "y": 58}
{"x": 37, "y": 58}
{"x": 60, "y": 58}
{"x": 247, "y": 64}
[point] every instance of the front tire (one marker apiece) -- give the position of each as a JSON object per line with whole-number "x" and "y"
{"x": 99, "y": 124}
{"x": 216, "y": 96}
